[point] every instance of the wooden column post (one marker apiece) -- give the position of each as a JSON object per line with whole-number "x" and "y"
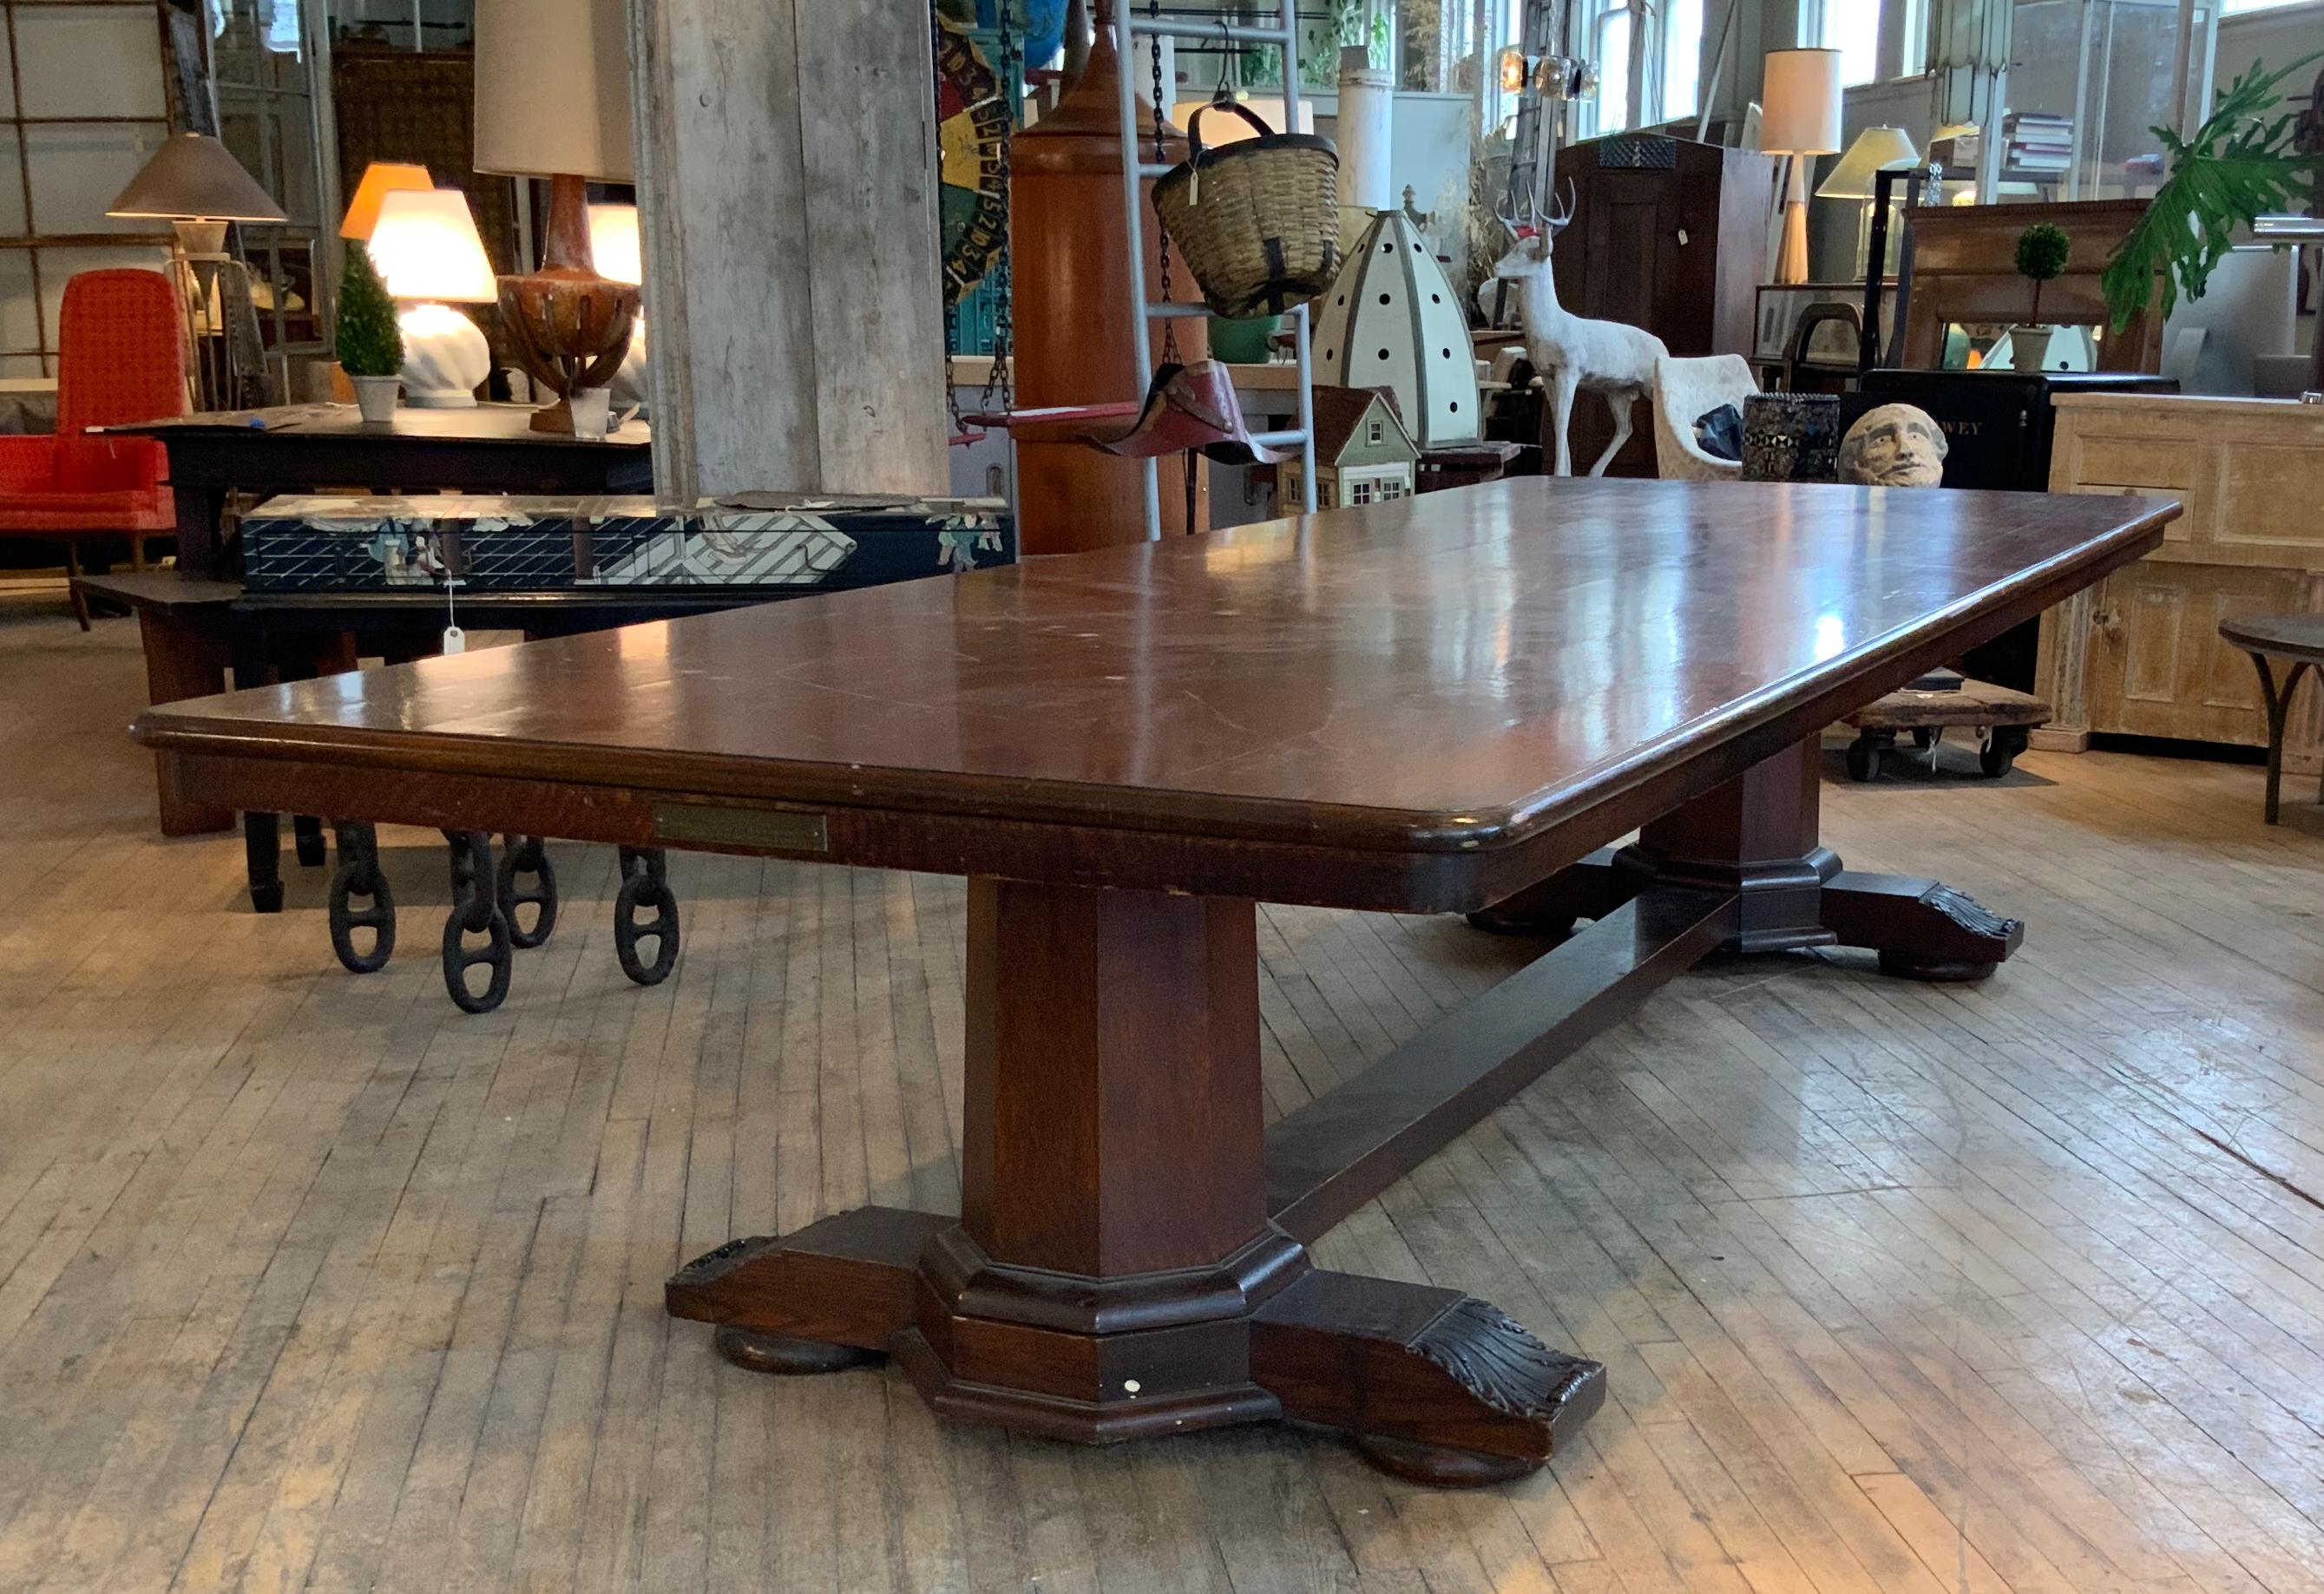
{"x": 786, "y": 174}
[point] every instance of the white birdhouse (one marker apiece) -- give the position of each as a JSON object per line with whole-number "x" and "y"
{"x": 1392, "y": 320}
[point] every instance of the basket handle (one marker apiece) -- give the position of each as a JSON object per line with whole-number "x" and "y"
{"x": 1194, "y": 125}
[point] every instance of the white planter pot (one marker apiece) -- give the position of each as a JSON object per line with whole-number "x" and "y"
{"x": 2028, "y": 347}
{"x": 375, "y": 397}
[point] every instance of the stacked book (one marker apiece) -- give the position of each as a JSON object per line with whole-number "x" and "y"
{"x": 2037, "y": 142}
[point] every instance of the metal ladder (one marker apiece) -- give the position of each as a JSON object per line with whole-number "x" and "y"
{"x": 1128, "y": 26}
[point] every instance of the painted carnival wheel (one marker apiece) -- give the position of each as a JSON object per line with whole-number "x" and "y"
{"x": 972, "y": 133}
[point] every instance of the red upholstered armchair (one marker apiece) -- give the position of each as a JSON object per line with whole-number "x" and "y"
{"x": 121, "y": 358}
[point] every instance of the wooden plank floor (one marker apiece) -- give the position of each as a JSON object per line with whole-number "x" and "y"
{"x": 308, "y": 1282}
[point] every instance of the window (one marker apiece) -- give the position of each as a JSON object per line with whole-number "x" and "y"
{"x": 1682, "y": 57}
{"x": 1649, "y": 56}
{"x": 1372, "y": 432}
{"x": 2230, "y": 7}
{"x": 1322, "y": 491}
{"x": 1614, "y": 70}
{"x": 266, "y": 89}
{"x": 93, "y": 108}
{"x": 1390, "y": 489}
{"x": 1913, "y": 57}
{"x": 1852, "y": 27}
{"x": 1360, "y": 491}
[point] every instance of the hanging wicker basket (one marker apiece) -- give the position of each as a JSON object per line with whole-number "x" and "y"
{"x": 1256, "y": 221}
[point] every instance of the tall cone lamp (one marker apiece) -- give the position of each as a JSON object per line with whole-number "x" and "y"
{"x": 195, "y": 184}
{"x": 1800, "y": 117}
{"x": 553, "y": 101}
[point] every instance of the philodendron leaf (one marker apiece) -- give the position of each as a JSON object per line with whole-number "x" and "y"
{"x": 2238, "y": 165}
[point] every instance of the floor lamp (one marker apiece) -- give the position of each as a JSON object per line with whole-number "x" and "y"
{"x": 1799, "y": 117}
{"x": 196, "y": 185}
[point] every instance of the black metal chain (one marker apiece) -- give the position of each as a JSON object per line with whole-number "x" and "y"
{"x": 1162, "y": 153}
{"x": 951, "y": 315}
{"x": 952, "y": 388}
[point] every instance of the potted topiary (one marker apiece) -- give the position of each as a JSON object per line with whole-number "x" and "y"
{"x": 369, "y": 343}
{"x": 2042, "y": 252}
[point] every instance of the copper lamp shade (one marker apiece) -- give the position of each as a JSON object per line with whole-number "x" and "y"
{"x": 380, "y": 179}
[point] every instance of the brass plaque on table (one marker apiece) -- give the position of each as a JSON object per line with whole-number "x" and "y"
{"x": 757, "y": 829}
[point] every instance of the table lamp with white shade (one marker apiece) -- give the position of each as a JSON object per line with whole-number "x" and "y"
{"x": 1799, "y": 116}
{"x": 426, "y": 248}
{"x": 1876, "y": 149}
{"x": 1880, "y": 163}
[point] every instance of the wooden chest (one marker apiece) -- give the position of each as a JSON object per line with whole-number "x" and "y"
{"x": 2140, "y": 654}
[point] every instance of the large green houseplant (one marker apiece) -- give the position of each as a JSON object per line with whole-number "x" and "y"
{"x": 2240, "y": 164}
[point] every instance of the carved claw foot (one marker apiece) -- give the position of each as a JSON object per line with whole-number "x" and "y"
{"x": 779, "y": 1353}
{"x": 1922, "y": 930}
{"x": 1433, "y": 1386}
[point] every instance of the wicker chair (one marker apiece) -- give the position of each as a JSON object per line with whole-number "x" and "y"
{"x": 121, "y": 359}
{"x": 1685, "y": 390}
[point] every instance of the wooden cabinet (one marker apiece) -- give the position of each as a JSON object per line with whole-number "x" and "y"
{"x": 1667, "y": 234}
{"x": 2140, "y": 654}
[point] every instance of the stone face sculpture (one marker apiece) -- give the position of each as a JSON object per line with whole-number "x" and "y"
{"x": 1894, "y": 446}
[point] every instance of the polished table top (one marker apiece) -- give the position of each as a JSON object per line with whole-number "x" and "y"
{"x": 479, "y": 423}
{"x": 1452, "y": 672}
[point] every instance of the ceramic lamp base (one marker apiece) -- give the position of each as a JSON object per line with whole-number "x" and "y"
{"x": 568, "y": 325}
{"x": 445, "y": 358}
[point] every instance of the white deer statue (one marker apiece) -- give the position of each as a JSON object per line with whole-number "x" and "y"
{"x": 1573, "y": 352}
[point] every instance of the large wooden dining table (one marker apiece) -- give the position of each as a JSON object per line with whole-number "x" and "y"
{"x": 1453, "y": 703}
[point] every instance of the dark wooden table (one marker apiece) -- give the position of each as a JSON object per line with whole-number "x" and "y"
{"x": 491, "y": 449}
{"x": 1443, "y": 704}
{"x": 297, "y": 635}
{"x": 182, "y": 623}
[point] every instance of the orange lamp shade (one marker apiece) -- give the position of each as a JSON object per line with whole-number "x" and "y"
{"x": 380, "y": 179}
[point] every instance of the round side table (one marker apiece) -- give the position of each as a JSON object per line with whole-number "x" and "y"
{"x": 2294, "y": 640}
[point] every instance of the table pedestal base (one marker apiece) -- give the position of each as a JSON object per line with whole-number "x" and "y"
{"x": 1130, "y": 1260}
{"x": 1432, "y": 1385}
{"x": 1756, "y": 838}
